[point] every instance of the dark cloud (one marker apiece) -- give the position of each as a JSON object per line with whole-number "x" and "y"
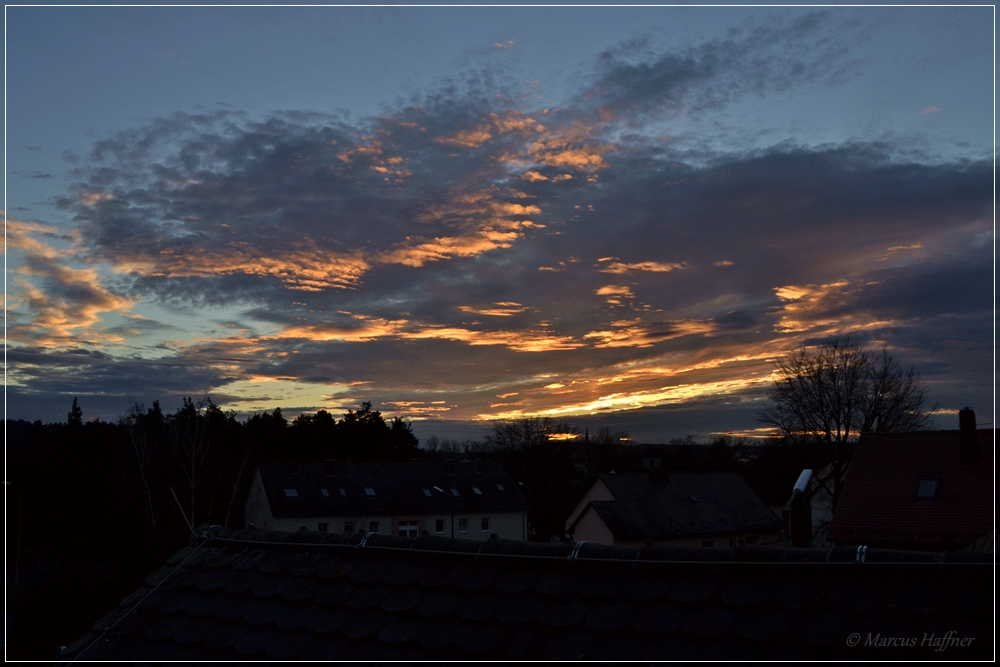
{"x": 471, "y": 252}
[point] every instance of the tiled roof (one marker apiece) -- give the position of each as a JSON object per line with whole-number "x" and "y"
{"x": 687, "y": 503}
{"x": 398, "y": 488}
{"x": 879, "y": 500}
{"x": 259, "y": 595}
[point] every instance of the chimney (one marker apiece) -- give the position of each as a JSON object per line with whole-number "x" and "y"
{"x": 967, "y": 434}
{"x": 797, "y": 513}
{"x": 449, "y": 467}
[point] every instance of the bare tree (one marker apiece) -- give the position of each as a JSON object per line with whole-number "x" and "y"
{"x": 840, "y": 390}
{"x": 145, "y": 431}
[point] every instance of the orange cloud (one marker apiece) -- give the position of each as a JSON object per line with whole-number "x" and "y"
{"x": 652, "y": 267}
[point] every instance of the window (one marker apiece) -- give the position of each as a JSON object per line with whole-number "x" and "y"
{"x": 710, "y": 542}
{"x": 373, "y": 526}
{"x": 408, "y": 528}
{"x": 326, "y": 494}
{"x": 343, "y": 492}
{"x": 439, "y": 526}
{"x": 927, "y": 488}
{"x": 751, "y": 539}
{"x": 369, "y": 491}
{"x": 486, "y": 524}
{"x": 454, "y": 491}
{"x": 499, "y": 487}
{"x": 463, "y": 525}
{"x": 476, "y": 491}
{"x": 323, "y": 527}
{"x": 291, "y": 493}
{"x": 427, "y": 492}
{"x": 348, "y": 528}
{"x": 732, "y": 542}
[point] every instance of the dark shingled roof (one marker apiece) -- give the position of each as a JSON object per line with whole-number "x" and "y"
{"x": 399, "y": 488}
{"x": 260, "y": 595}
{"x": 647, "y": 507}
{"x": 879, "y": 501}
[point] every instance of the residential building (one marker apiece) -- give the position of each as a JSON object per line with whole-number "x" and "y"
{"x": 254, "y": 595}
{"x": 467, "y": 499}
{"x": 691, "y": 509}
{"x": 925, "y": 490}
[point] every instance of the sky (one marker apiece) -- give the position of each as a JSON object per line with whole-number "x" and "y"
{"x": 611, "y": 216}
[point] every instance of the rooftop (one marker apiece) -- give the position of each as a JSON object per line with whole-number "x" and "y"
{"x": 418, "y": 487}
{"x": 265, "y": 595}
{"x": 686, "y": 503}
{"x": 915, "y": 488}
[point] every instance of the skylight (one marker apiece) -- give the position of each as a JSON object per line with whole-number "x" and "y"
{"x": 343, "y": 492}
{"x": 927, "y": 488}
{"x": 454, "y": 491}
{"x": 325, "y": 493}
{"x": 369, "y": 491}
{"x": 476, "y": 490}
{"x": 291, "y": 493}
{"x": 427, "y": 492}
{"x": 499, "y": 487}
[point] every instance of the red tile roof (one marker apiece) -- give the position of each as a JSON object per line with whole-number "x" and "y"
{"x": 879, "y": 501}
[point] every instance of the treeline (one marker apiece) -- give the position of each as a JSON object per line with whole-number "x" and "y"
{"x": 94, "y": 506}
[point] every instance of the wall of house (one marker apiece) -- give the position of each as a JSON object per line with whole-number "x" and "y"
{"x": 258, "y": 510}
{"x": 599, "y": 491}
{"x": 591, "y": 528}
{"x": 721, "y": 541}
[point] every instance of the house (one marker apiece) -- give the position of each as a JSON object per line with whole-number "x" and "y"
{"x": 468, "y": 499}
{"x": 255, "y": 595}
{"x": 695, "y": 509}
{"x": 926, "y": 490}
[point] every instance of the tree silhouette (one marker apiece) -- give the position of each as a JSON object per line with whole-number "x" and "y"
{"x": 75, "y": 417}
{"x": 840, "y": 390}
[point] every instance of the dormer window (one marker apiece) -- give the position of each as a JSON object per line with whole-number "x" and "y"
{"x": 927, "y": 488}
{"x": 291, "y": 493}
{"x": 369, "y": 491}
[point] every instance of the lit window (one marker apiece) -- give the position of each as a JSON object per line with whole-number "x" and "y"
{"x": 323, "y": 527}
{"x": 373, "y": 526}
{"x": 369, "y": 491}
{"x": 499, "y": 487}
{"x": 485, "y": 524}
{"x": 326, "y": 494}
{"x": 463, "y": 525}
{"x": 291, "y": 493}
{"x": 439, "y": 526}
{"x": 454, "y": 491}
{"x": 427, "y": 492}
{"x": 348, "y": 528}
{"x": 710, "y": 542}
{"x": 927, "y": 488}
{"x": 343, "y": 492}
{"x": 408, "y": 528}
{"x": 476, "y": 491}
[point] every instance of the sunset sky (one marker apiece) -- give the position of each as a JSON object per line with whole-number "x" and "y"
{"x": 610, "y": 216}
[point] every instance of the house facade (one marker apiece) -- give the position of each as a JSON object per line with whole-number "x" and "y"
{"x": 467, "y": 500}
{"x": 690, "y": 509}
